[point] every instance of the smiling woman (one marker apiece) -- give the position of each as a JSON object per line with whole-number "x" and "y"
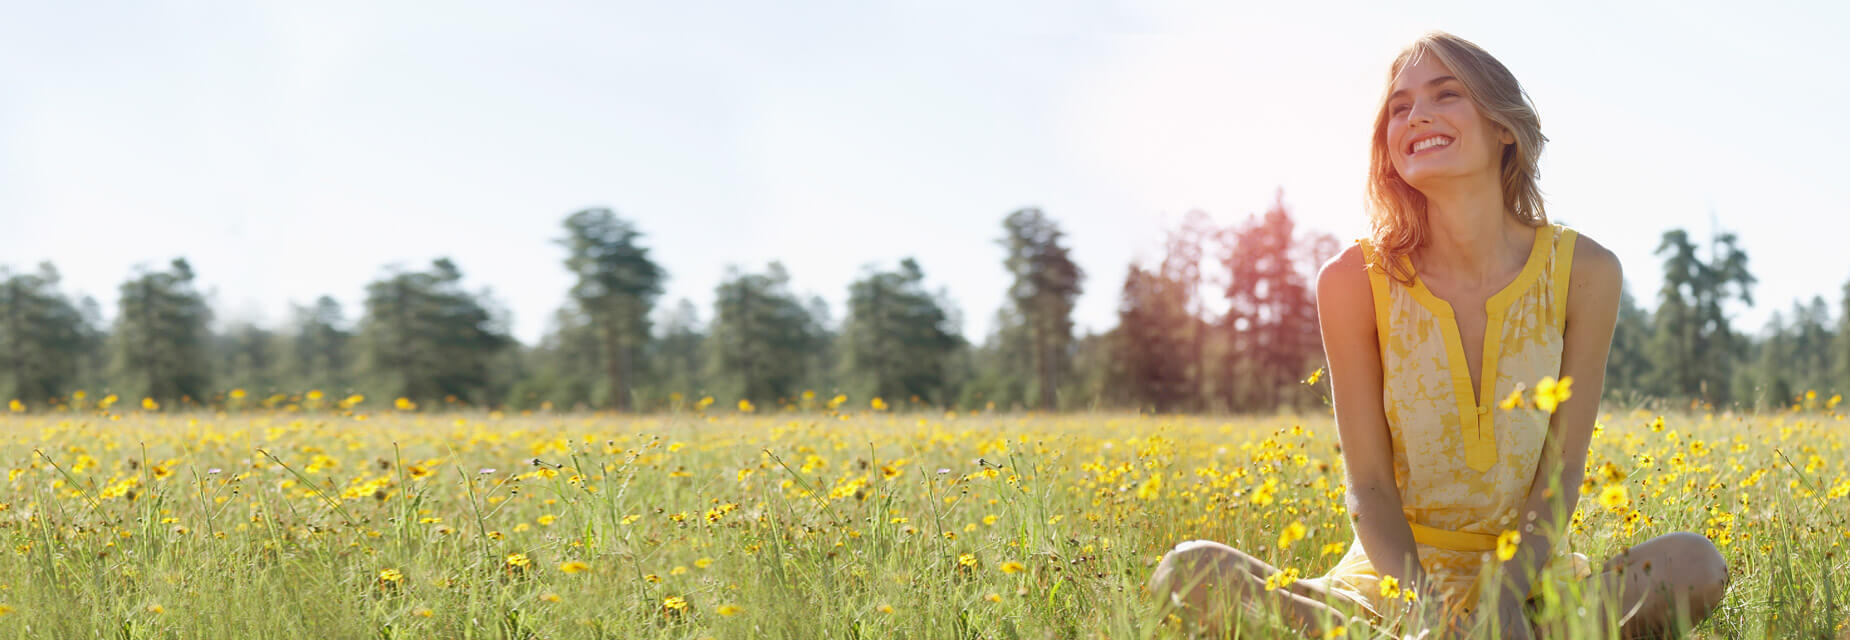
{"x": 1464, "y": 294}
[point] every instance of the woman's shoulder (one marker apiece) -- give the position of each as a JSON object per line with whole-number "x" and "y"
{"x": 1591, "y": 260}
{"x": 1347, "y": 266}
{"x": 1593, "y": 280}
{"x": 1343, "y": 279}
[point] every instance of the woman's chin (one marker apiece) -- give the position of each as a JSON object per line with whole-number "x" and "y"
{"x": 1431, "y": 176}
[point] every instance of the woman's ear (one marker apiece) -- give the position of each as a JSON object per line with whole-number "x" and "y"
{"x": 1505, "y": 135}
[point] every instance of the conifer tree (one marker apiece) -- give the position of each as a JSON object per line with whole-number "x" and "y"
{"x": 43, "y": 338}
{"x": 159, "y": 346}
{"x": 616, "y": 286}
{"x": 1045, "y": 285}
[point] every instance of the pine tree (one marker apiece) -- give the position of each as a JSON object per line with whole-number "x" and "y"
{"x": 762, "y": 339}
{"x": 44, "y": 339}
{"x": 1840, "y": 345}
{"x": 1154, "y": 342}
{"x": 674, "y": 359}
{"x": 617, "y": 284}
{"x": 159, "y": 346}
{"x": 1627, "y": 365}
{"x": 897, "y": 339}
{"x": 248, "y": 357}
{"x": 426, "y": 339}
{"x": 1693, "y": 347}
{"x": 1271, "y": 321}
{"x": 319, "y": 347}
{"x": 1046, "y": 283}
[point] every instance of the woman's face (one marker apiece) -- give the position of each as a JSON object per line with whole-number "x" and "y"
{"x": 1434, "y": 130}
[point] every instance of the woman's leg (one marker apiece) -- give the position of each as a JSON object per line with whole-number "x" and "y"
{"x": 1209, "y": 579}
{"x": 1669, "y": 582}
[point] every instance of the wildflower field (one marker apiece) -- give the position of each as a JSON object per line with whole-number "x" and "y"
{"x": 750, "y": 522}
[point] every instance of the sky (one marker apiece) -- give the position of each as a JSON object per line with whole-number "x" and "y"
{"x": 293, "y": 150}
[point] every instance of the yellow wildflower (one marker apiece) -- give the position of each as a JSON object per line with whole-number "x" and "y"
{"x": 1506, "y": 545}
{"x": 1614, "y": 497}
{"x": 1292, "y": 533}
{"x": 1550, "y": 393}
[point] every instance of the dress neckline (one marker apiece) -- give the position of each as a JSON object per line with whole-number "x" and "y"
{"x": 1474, "y": 415}
{"x": 1529, "y": 268}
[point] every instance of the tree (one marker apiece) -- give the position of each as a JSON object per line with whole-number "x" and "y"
{"x": 43, "y": 337}
{"x": 1046, "y": 284}
{"x": 248, "y": 357}
{"x": 1184, "y": 252}
{"x": 159, "y": 345}
{"x": 1627, "y": 365}
{"x": 762, "y": 338}
{"x": 318, "y": 355}
{"x": 1271, "y": 321}
{"x": 897, "y": 339}
{"x": 617, "y": 286}
{"x": 424, "y": 338}
{"x": 565, "y": 366}
{"x": 1003, "y": 366}
{"x": 1840, "y": 344}
{"x": 674, "y": 357}
{"x": 1693, "y": 346}
{"x": 1811, "y": 344}
{"x": 1775, "y": 351}
{"x": 1154, "y": 342}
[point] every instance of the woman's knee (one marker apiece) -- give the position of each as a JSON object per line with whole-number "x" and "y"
{"x": 1701, "y": 567}
{"x": 1197, "y": 564}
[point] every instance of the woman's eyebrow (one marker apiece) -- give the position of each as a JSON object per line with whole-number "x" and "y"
{"x": 1429, "y": 83}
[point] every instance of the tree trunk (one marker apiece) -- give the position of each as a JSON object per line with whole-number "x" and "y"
{"x": 613, "y": 366}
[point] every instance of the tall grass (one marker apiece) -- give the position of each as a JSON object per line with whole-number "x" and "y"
{"x": 792, "y": 525}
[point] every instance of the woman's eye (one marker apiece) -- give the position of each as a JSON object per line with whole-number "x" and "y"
{"x": 1397, "y": 109}
{"x": 1443, "y": 94}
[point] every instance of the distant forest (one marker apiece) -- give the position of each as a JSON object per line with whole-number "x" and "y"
{"x": 1225, "y": 321}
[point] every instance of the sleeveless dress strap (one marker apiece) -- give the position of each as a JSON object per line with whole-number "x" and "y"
{"x": 1564, "y": 264}
{"x": 1377, "y": 282}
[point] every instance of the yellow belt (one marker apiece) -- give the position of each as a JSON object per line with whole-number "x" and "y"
{"x": 1454, "y": 540}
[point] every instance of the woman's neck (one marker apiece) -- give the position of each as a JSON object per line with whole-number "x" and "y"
{"x": 1471, "y": 240}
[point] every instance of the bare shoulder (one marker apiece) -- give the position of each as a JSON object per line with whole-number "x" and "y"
{"x": 1341, "y": 280}
{"x": 1595, "y": 269}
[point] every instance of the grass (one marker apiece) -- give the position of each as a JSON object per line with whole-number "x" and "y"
{"x": 390, "y": 524}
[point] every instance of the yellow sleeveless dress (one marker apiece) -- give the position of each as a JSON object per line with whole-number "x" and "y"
{"x": 1462, "y": 464}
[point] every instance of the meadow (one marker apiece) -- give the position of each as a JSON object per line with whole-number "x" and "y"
{"x": 824, "y": 519}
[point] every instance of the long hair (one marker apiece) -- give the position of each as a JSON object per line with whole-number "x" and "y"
{"x": 1397, "y": 211}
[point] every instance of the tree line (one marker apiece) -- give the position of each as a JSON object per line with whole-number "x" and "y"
{"x": 1223, "y": 321}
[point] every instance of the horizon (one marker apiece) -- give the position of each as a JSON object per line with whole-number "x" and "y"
{"x": 374, "y": 136}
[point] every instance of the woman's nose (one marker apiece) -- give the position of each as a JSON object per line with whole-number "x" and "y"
{"x": 1417, "y": 113}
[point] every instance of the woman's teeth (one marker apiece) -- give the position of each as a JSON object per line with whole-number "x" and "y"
{"x": 1436, "y": 141}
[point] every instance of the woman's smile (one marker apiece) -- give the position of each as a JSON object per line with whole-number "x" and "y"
{"x": 1430, "y": 143}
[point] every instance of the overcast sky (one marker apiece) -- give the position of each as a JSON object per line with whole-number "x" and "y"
{"x": 291, "y": 150}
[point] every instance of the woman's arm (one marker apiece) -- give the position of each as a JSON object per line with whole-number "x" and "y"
{"x": 1592, "y": 311}
{"x": 1346, "y": 317}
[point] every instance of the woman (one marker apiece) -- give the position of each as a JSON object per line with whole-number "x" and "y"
{"x": 1463, "y": 292}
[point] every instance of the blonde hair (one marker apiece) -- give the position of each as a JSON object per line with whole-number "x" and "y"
{"x": 1397, "y": 211}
